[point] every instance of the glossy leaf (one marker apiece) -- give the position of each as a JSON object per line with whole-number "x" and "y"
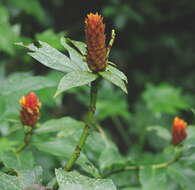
{"x": 117, "y": 72}
{"x": 75, "y": 79}
{"x": 115, "y": 79}
{"x": 81, "y": 46}
{"x": 24, "y": 179}
{"x": 30, "y": 177}
{"x": 8, "y": 182}
{"x": 75, "y": 56}
{"x": 75, "y": 181}
{"x": 50, "y": 57}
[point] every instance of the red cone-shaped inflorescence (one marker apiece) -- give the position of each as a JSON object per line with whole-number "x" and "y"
{"x": 30, "y": 111}
{"x": 95, "y": 39}
{"x": 178, "y": 130}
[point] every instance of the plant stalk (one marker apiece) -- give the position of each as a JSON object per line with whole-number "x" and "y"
{"x": 86, "y": 130}
{"x": 26, "y": 141}
{"x": 155, "y": 166}
{"x": 111, "y": 42}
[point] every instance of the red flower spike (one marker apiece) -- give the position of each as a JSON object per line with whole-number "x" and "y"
{"x": 178, "y": 131}
{"x": 30, "y": 113}
{"x": 95, "y": 39}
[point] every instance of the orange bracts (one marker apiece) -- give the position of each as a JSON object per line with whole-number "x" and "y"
{"x": 95, "y": 39}
{"x": 30, "y": 113}
{"x": 178, "y": 130}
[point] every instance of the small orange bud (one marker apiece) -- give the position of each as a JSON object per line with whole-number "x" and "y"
{"x": 178, "y": 130}
{"x": 29, "y": 113}
{"x": 95, "y": 39}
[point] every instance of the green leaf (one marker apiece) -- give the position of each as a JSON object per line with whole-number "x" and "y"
{"x": 164, "y": 99}
{"x": 50, "y": 37}
{"x": 24, "y": 179}
{"x": 97, "y": 141}
{"x": 105, "y": 105}
{"x": 75, "y": 181}
{"x": 8, "y": 182}
{"x": 6, "y": 145}
{"x": 75, "y": 56}
{"x": 179, "y": 176}
{"x": 161, "y": 132}
{"x": 20, "y": 161}
{"x": 110, "y": 156}
{"x": 151, "y": 178}
{"x": 68, "y": 132}
{"x": 115, "y": 79}
{"x": 33, "y": 8}
{"x": 81, "y": 46}
{"x": 30, "y": 177}
{"x": 105, "y": 101}
{"x": 8, "y": 33}
{"x": 191, "y": 136}
{"x": 117, "y": 72}
{"x": 25, "y": 83}
{"x": 50, "y": 57}
{"x": 66, "y": 125}
{"x": 63, "y": 147}
{"x": 75, "y": 79}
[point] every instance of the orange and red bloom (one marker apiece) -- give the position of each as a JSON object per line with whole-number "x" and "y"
{"x": 30, "y": 109}
{"x": 95, "y": 39}
{"x": 178, "y": 130}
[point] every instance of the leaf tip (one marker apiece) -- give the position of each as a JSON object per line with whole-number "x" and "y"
{"x": 56, "y": 94}
{"x": 19, "y": 44}
{"x": 125, "y": 90}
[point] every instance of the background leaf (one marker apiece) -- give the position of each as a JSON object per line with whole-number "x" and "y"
{"x": 164, "y": 99}
{"x": 151, "y": 178}
{"x": 16, "y": 161}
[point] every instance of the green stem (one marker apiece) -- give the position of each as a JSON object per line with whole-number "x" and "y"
{"x": 111, "y": 42}
{"x": 155, "y": 166}
{"x": 86, "y": 130}
{"x": 26, "y": 141}
{"x": 166, "y": 164}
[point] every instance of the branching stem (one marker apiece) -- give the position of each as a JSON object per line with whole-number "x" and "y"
{"x": 155, "y": 166}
